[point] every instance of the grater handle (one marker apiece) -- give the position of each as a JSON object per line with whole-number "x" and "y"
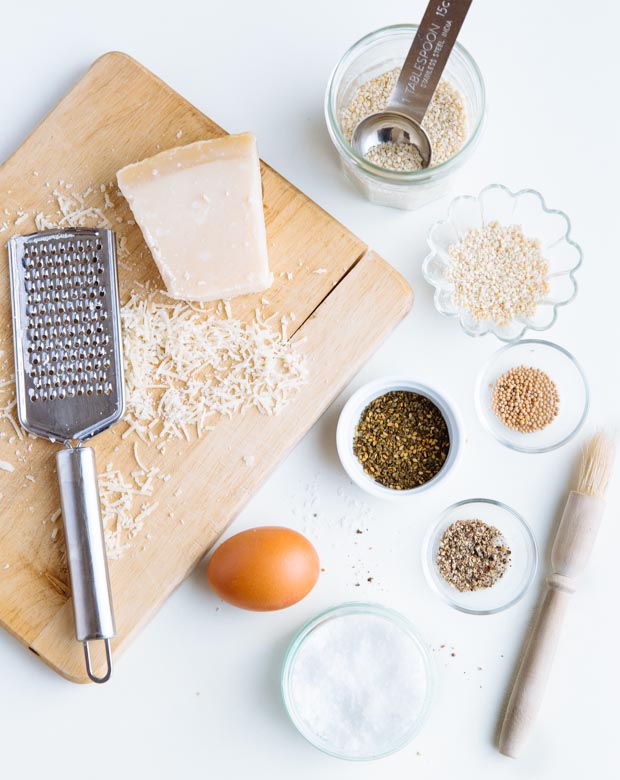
{"x": 88, "y": 568}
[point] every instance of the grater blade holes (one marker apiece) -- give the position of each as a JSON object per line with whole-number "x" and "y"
{"x": 64, "y": 285}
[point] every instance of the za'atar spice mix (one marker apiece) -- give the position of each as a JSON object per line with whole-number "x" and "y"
{"x": 401, "y": 440}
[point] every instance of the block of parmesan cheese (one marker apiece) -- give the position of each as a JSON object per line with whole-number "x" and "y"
{"x": 200, "y": 209}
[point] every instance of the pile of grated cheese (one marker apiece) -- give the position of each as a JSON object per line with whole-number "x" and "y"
{"x": 186, "y": 365}
{"x": 8, "y": 406}
{"x": 95, "y": 207}
{"x": 121, "y": 523}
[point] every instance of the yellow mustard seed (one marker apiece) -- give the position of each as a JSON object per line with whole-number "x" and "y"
{"x": 525, "y": 399}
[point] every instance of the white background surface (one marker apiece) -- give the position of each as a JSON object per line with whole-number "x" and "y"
{"x": 197, "y": 693}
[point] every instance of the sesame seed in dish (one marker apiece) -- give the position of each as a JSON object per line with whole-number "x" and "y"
{"x": 498, "y": 273}
{"x": 445, "y": 122}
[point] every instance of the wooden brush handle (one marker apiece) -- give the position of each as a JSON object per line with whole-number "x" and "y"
{"x": 571, "y": 550}
{"x": 531, "y": 681}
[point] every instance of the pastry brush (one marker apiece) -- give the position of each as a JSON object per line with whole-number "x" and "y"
{"x": 571, "y": 551}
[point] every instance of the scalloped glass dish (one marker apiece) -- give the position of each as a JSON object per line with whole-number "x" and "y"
{"x": 526, "y": 208}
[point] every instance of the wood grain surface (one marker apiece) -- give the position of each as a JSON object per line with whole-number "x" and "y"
{"x": 118, "y": 113}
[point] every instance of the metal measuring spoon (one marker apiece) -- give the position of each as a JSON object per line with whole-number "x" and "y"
{"x": 401, "y": 120}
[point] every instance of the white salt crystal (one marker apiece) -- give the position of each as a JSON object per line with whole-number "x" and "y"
{"x": 359, "y": 685}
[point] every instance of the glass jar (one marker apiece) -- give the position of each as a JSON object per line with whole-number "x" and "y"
{"x": 371, "y": 56}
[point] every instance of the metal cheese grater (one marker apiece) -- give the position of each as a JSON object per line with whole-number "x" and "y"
{"x": 69, "y": 381}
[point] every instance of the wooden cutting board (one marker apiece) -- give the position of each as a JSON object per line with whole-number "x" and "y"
{"x": 119, "y": 112}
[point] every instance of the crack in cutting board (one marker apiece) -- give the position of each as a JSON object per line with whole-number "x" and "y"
{"x": 346, "y": 300}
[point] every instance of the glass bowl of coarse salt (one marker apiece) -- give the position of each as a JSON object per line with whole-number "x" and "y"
{"x": 357, "y": 681}
{"x": 502, "y": 262}
{"x": 361, "y": 84}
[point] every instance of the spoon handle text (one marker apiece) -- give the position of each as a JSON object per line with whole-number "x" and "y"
{"x": 427, "y": 57}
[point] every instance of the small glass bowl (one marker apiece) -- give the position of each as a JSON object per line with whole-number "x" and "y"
{"x": 350, "y": 417}
{"x": 526, "y": 208}
{"x": 519, "y": 574}
{"x": 345, "y": 611}
{"x": 371, "y": 56}
{"x": 569, "y": 379}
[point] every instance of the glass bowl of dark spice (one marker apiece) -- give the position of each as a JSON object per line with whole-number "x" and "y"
{"x": 480, "y": 557}
{"x": 532, "y": 396}
{"x": 397, "y": 437}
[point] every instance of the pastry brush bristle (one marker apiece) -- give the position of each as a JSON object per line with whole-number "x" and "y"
{"x": 596, "y": 465}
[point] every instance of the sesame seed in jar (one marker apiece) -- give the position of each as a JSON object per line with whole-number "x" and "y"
{"x": 395, "y": 156}
{"x": 498, "y": 273}
{"x": 445, "y": 121}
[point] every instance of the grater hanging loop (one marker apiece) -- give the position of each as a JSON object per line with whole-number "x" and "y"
{"x": 89, "y": 669}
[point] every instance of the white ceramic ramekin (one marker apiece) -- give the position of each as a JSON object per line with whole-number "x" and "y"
{"x": 349, "y": 419}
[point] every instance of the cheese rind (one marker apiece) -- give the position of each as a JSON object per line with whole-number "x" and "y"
{"x": 200, "y": 210}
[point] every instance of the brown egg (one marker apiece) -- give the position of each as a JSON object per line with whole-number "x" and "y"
{"x": 264, "y": 568}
